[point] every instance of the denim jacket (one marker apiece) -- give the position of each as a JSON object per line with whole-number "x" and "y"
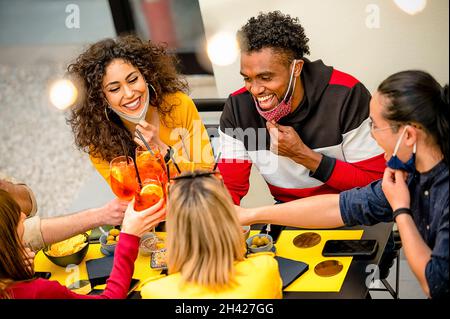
{"x": 430, "y": 210}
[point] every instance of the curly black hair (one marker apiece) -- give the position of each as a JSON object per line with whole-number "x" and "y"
{"x": 104, "y": 137}
{"x": 274, "y": 30}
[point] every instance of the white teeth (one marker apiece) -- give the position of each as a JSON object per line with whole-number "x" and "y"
{"x": 135, "y": 103}
{"x": 265, "y": 98}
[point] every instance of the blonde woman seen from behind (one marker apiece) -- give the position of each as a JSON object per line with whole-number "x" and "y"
{"x": 206, "y": 247}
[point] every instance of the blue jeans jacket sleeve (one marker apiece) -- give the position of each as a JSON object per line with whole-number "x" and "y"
{"x": 365, "y": 206}
{"x": 436, "y": 271}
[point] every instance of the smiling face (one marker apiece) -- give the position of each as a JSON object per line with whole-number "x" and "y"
{"x": 124, "y": 87}
{"x": 266, "y": 75}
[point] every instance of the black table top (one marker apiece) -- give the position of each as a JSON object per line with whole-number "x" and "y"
{"x": 354, "y": 286}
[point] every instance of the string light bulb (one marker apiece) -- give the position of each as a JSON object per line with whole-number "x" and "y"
{"x": 63, "y": 94}
{"x": 222, "y": 48}
{"x": 411, "y": 7}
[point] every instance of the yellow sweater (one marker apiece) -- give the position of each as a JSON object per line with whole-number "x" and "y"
{"x": 182, "y": 126}
{"x": 257, "y": 277}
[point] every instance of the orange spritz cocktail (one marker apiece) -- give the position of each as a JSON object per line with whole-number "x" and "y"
{"x": 123, "y": 177}
{"x": 149, "y": 195}
{"x": 150, "y": 166}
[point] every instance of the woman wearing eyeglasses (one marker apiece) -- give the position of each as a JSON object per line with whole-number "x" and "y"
{"x": 410, "y": 121}
{"x": 206, "y": 247}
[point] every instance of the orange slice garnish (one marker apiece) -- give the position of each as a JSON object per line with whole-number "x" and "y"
{"x": 150, "y": 189}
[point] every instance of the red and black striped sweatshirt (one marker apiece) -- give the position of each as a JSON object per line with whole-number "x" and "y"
{"x": 332, "y": 119}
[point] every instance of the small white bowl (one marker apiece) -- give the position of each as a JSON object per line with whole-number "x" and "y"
{"x": 267, "y": 247}
{"x": 148, "y": 244}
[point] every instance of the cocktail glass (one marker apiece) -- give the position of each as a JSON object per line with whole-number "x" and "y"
{"x": 150, "y": 166}
{"x": 151, "y": 192}
{"x": 123, "y": 177}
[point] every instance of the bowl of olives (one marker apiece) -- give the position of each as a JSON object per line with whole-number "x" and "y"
{"x": 259, "y": 243}
{"x": 109, "y": 242}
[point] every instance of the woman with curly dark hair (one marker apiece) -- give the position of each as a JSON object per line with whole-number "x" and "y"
{"x": 130, "y": 85}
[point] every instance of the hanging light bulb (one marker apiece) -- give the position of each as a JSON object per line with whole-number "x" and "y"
{"x": 222, "y": 48}
{"x": 411, "y": 7}
{"x": 63, "y": 94}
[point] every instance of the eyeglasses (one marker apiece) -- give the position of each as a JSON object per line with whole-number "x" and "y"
{"x": 374, "y": 128}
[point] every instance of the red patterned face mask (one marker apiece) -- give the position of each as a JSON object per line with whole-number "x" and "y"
{"x": 284, "y": 107}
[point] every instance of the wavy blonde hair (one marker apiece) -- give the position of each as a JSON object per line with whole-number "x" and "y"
{"x": 204, "y": 238}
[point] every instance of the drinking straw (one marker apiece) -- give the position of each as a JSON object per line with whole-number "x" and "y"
{"x": 217, "y": 161}
{"x": 145, "y": 142}
{"x": 184, "y": 147}
{"x": 173, "y": 160}
{"x": 168, "y": 172}
{"x": 137, "y": 174}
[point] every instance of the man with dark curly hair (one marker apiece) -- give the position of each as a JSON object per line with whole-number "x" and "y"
{"x": 317, "y": 117}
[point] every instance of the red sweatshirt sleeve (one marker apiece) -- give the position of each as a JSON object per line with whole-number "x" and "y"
{"x": 236, "y": 175}
{"x": 350, "y": 175}
{"x": 116, "y": 286}
{"x": 124, "y": 257}
{"x": 342, "y": 175}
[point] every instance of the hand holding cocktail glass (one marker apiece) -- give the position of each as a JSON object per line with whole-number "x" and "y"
{"x": 140, "y": 182}
{"x": 148, "y": 189}
{"x": 150, "y": 194}
{"x": 138, "y": 222}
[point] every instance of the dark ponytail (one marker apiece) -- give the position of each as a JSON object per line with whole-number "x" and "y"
{"x": 416, "y": 97}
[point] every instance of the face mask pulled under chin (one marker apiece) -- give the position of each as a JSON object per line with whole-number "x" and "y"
{"x": 395, "y": 163}
{"x": 138, "y": 117}
{"x": 284, "y": 107}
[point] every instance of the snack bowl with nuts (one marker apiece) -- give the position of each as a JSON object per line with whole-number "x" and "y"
{"x": 259, "y": 243}
{"x": 109, "y": 242}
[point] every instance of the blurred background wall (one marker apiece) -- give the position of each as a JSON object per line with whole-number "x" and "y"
{"x": 369, "y": 39}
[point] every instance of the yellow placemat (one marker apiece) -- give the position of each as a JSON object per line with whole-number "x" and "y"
{"x": 309, "y": 281}
{"x": 66, "y": 276}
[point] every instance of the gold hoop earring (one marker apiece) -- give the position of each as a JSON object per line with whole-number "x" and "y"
{"x": 154, "y": 90}
{"x": 106, "y": 114}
